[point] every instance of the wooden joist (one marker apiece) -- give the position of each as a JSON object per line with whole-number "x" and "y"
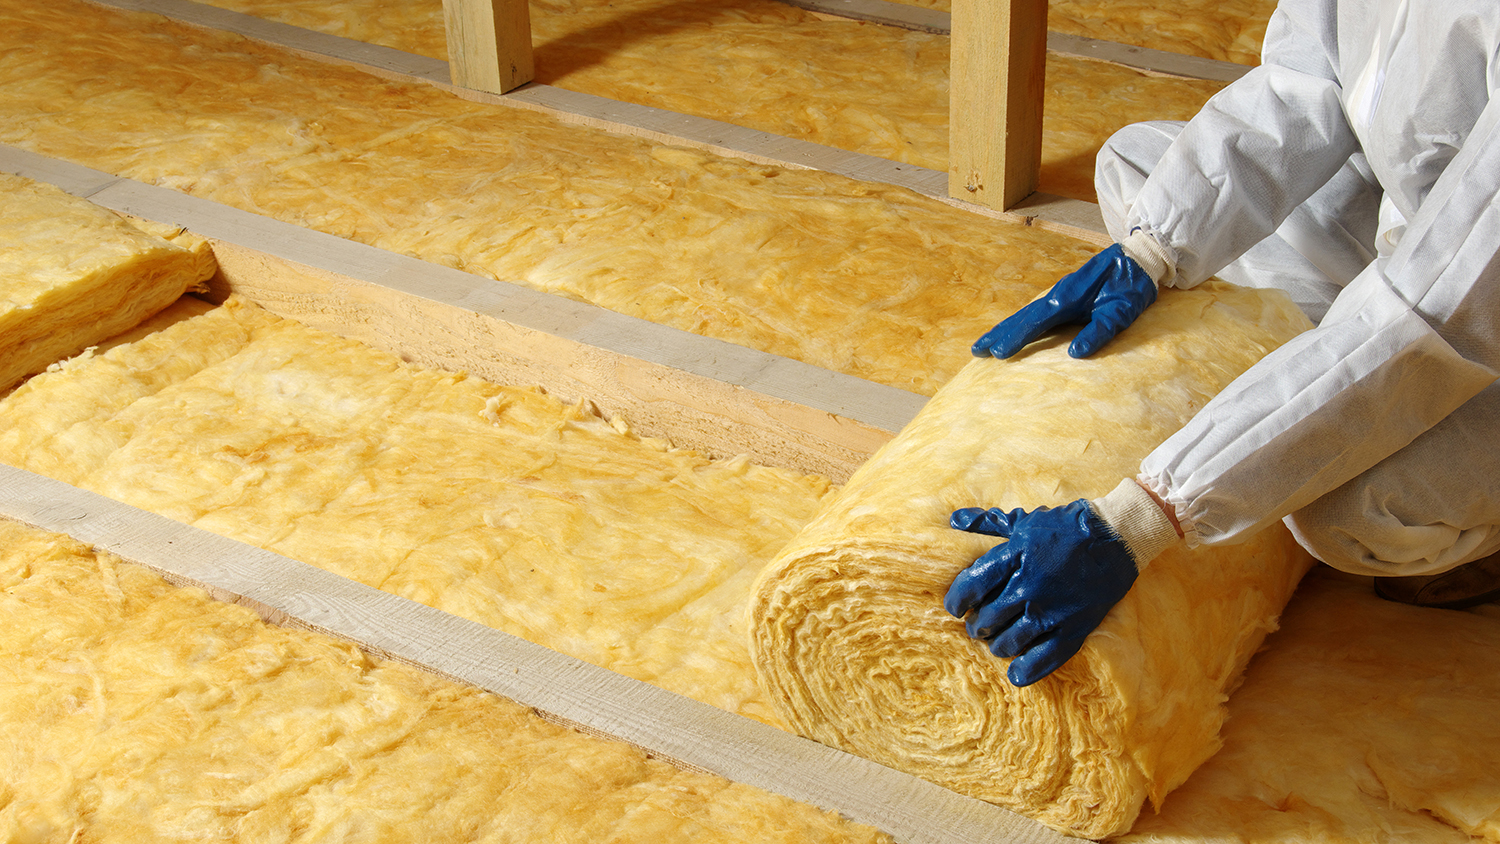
{"x": 1145, "y": 59}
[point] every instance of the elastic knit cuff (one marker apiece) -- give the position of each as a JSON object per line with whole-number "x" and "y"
{"x": 1151, "y": 255}
{"x": 1137, "y": 520}
{"x": 1185, "y": 522}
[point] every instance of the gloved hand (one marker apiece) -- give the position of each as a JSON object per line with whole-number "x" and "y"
{"x": 1105, "y": 296}
{"x": 1038, "y": 596}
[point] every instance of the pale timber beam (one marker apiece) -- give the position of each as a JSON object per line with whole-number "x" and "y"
{"x": 489, "y": 43}
{"x": 997, "y": 70}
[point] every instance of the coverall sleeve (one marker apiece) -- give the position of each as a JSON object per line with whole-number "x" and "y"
{"x": 1256, "y": 151}
{"x": 1406, "y": 343}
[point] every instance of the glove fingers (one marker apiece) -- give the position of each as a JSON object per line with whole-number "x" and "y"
{"x": 1018, "y": 637}
{"x": 993, "y": 616}
{"x": 1108, "y": 320}
{"x": 989, "y": 574}
{"x": 1122, "y": 302}
{"x": 1019, "y": 329}
{"x": 991, "y": 522}
{"x": 1091, "y": 339}
{"x": 1046, "y": 655}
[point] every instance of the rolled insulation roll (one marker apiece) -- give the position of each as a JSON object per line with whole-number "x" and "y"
{"x": 848, "y": 631}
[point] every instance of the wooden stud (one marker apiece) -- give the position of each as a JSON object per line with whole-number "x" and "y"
{"x": 998, "y": 68}
{"x": 489, "y": 43}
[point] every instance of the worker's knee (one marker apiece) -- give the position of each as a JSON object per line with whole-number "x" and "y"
{"x": 1431, "y": 506}
{"x": 1353, "y": 530}
{"x": 1331, "y": 543}
{"x": 1123, "y": 164}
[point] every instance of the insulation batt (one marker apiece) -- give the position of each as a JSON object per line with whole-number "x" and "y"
{"x": 73, "y": 274}
{"x": 1227, "y": 30}
{"x": 871, "y": 89}
{"x": 854, "y": 649}
{"x": 1360, "y": 721}
{"x": 137, "y": 711}
{"x": 498, "y": 504}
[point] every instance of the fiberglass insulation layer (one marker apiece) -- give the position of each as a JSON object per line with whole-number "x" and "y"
{"x": 499, "y": 504}
{"x": 860, "y": 278}
{"x": 137, "y": 711}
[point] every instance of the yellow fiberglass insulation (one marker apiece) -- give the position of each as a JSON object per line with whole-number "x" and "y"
{"x": 870, "y": 89}
{"x": 498, "y": 504}
{"x": 853, "y": 646}
{"x": 137, "y": 711}
{"x": 1226, "y": 30}
{"x": 570, "y": 35}
{"x": 1386, "y": 719}
{"x": 1361, "y": 720}
{"x": 73, "y": 274}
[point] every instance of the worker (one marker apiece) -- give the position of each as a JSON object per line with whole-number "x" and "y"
{"x": 1358, "y": 170}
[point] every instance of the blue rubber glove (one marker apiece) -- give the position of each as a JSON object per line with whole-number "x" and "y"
{"x": 1038, "y": 596}
{"x": 1105, "y": 295}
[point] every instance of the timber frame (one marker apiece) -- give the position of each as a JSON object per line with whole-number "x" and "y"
{"x": 698, "y": 392}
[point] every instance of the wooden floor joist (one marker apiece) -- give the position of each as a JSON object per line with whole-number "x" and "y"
{"x": 1146, "y": 59}
{"x": 1070, "y": 216}
{"x": 563, "y": 689}
{"x": 698, "y": 392}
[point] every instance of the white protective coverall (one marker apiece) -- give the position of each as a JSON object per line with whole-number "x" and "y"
{"x": 1358, "y": 168}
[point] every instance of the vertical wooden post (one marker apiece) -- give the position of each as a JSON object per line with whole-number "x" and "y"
{"x": 489, "y": 43}
{"x": 996, "y": 86}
